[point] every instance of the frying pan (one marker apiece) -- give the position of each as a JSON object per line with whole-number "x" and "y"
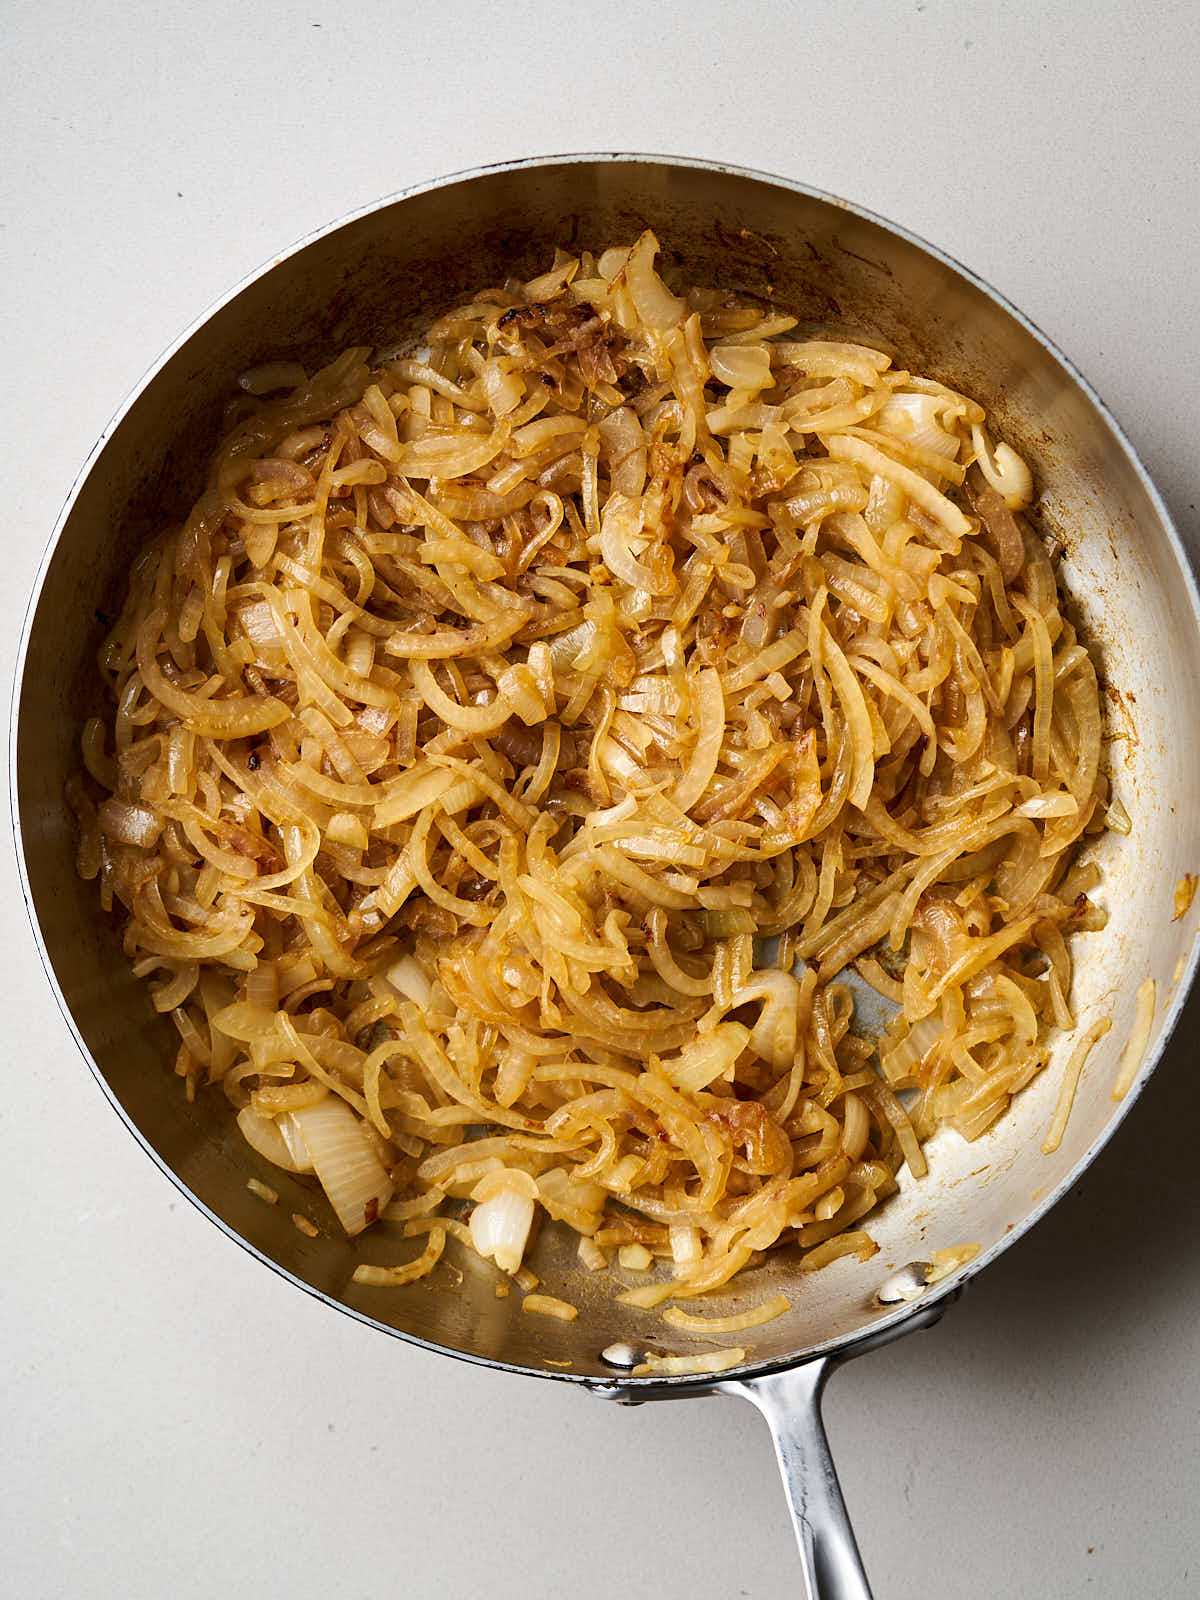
{"x": 371, "y": 279}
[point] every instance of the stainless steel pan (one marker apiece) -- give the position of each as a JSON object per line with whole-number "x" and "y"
{"x": 369, "y": 279}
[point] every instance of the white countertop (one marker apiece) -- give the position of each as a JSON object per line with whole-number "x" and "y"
{"x": 180, "y": 1422}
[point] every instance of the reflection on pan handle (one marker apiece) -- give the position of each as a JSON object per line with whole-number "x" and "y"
{"x": 791, "y": 1403}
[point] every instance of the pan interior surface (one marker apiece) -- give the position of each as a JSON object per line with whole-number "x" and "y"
{"x": 375, "y": 279}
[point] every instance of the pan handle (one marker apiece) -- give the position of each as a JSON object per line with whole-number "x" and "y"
{"x": 791, "y": 1403}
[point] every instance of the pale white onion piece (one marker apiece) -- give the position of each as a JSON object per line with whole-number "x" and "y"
{"x": 552, "y": 283}
{"x": 1055, "y": 803}
{"x": 418, "y": 788}
{"x": 297, "y": 1149}
{"x": 262, "y": 986}
{"x": 918, "y": 489}
{"x": 943, "y": 1262}
{"x": 767, "y": 1312}
{"x": 258, "y": 619}
{"x": 899, "y": 1062}
{"x": 774, "y": 1034}
{"x": 1139, "y": 1037}
{"x": 612, "y": 260}
{"x": 591, "y": 1254}
{"x": 1003, "y": 468}
{"x": 634, "y": 1258}
{"x": 577, "y": 1201}
{"x": 1117, "y": 818}
{"x": 344, "y": 1159}
{"x": 442, "y": 456}
{"x": 622, "y": 542}
{"x": 708, "y": 1057}
{"x": 129, "y": 824}
{"x": 686, "y": 1245}
{"x": 500, "y": 1226}
{"x": 407, "y": 976}
{"x": 742, "y": 366}
{"x": 505, "y": 1180}
{"x": 264, "y": 1135}
{"x": 682, "y": 1366}
{"x": 549, "y": 1305}
{"x": 916, "y": 420}
{"x": 709, "y": 707}
{"x": 624, "y": 444}
{"x": 655, "y": 304}
{"x": 1071, "y": 1075}
{"x": 346, "y": 828}
{"x": 504, "y": 389}
{"x": 857, "y": 1128}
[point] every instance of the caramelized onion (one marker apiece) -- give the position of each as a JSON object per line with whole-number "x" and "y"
{"x": 489, "y": 708}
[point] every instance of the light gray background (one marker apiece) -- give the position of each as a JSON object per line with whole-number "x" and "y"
{"x": 175, "y": 1420}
